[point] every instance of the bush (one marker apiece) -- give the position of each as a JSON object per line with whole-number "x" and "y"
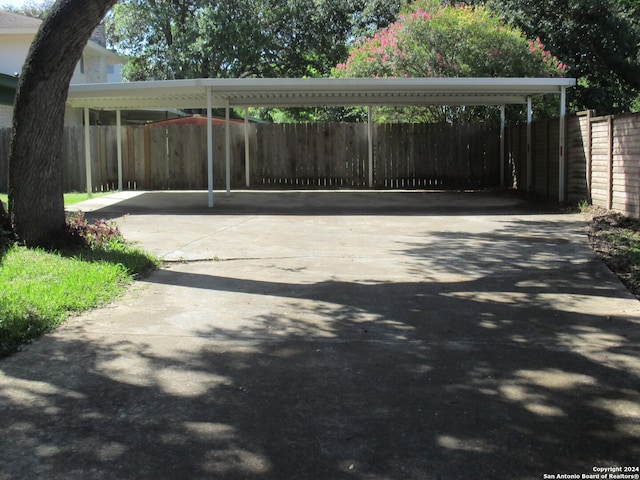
{"x": 101, "y": 234}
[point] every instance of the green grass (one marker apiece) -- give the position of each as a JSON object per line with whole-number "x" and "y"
{"x": 617, "y": 240}
{"x": 40, "y": 289}
{"x": 625, "y": 244}
{"x": 69, "y": 198}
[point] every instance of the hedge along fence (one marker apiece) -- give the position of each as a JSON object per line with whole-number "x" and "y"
{"x": 325, "y": 155}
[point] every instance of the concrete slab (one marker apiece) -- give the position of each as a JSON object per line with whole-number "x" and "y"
{"x": 337, "y": 335}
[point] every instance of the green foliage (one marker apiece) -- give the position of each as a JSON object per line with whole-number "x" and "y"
{"x": 69, "y": 198}
{"x": 430, "y": 40}
{"x": 371, "y": 15}
{"x": 584, "y": 205}
{"x": 101, "y": 234}
{"x": 238, "y": 38}
{"x": 102, "y": 240}
{"x": 449, "y": 42}
{"x": 598, "y": 40}
{"x": 31, "y": 8}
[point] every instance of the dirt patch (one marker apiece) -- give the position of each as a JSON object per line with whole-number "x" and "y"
{"x": 616, "y": 239}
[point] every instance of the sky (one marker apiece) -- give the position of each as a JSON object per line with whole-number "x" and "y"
{"x": 13, "y": 3}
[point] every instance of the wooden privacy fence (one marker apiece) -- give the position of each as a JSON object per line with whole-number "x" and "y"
{"x": 542, "y": 177}
{"x": 602, "y": 157}
{"x": 325, "y": 155}
{"x": 404, "y": 155}
{"x": 613, "y": 161}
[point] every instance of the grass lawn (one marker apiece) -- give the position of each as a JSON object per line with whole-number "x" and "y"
{"x": 39, "y": 289}
{"x": 69, "y": 198}
{"x": 616, "y": 239}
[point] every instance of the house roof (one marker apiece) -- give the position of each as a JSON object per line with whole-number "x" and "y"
{"x": 290, "y": 92}
{"x": 16, "y": 24}
{"x": 111, "y": 57}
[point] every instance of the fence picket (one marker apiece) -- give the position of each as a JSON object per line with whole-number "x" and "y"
{"x": 336, "y": 155}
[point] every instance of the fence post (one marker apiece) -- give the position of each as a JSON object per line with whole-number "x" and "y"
{"x": 370, "y": 144}
{"x": 562, "y": 160}
{"x": 610, "y": 162}
{"x": 502, "y": 124}
{"x": 87, "y": 150}
{"x": 529, "y": 164}
{"x": 589, "y": 155}
{"x": 247, "y": 172}
{"x": 119, "y": 150}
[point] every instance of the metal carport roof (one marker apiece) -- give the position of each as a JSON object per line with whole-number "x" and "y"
{"x": 301, "y": 92}
{"x": 288, "y": 92}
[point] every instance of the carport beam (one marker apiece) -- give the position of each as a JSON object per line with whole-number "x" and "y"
{"x": 209, "y": 149}
{"x": 87, "y": 150}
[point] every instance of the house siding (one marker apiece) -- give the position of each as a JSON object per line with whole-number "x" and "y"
{"x": 13, "y": 51}
{"x": 6, "y": 116}
{"x": 95, "y": 69}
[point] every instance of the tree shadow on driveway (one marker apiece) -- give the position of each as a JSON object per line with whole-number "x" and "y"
{"x": 505, "y": 355}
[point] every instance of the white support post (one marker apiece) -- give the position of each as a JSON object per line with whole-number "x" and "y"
{"x": 529, "y": 153}
{"x": 561, "y": 161}
{"x": 247, "y": 173}
{"x": 209, "y": 148}
{"x": 502, "y": 159}
{"x": 87, "y": 151}
{"x": 227, "y": 146}
{"x": 370, "y": 144}
{"x": 119, "y": 149}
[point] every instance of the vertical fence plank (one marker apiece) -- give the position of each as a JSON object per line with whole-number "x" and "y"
{"x": 609, "y": 162}
{"x": 253, "y": 155}
{"x": 600, "y": 161}
{"x": 626, "y": 168}
{"x": 577, "y": 164}
{"x": 405, "y": 155}
{"x": 128, "y": 159}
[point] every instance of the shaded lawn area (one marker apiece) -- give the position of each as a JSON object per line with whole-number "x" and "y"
{"x": 616, "y": 239}
{"x": 41, "y": 288}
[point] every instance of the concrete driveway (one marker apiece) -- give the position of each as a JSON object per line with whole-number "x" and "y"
{"x": 336, "y": 335}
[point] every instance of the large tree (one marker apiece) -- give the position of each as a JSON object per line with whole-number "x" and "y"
{"x": 35, "y": 158}
{"x": 235, "y": 38}
{"x": 598, "y": 39}
{"x": 431, "y": 40}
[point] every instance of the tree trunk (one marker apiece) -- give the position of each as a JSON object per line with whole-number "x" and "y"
{"x": 35, "y": 156}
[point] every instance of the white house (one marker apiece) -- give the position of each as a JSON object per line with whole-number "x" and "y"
{"x": 98, "y": 65}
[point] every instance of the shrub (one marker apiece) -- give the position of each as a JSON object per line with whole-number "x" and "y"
{"x": 101, "y": 234}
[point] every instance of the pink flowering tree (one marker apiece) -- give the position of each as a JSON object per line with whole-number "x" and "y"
{"x": 431, "y": 40}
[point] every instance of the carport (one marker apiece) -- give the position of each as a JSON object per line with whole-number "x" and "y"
{"x": 296, "y": 92}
